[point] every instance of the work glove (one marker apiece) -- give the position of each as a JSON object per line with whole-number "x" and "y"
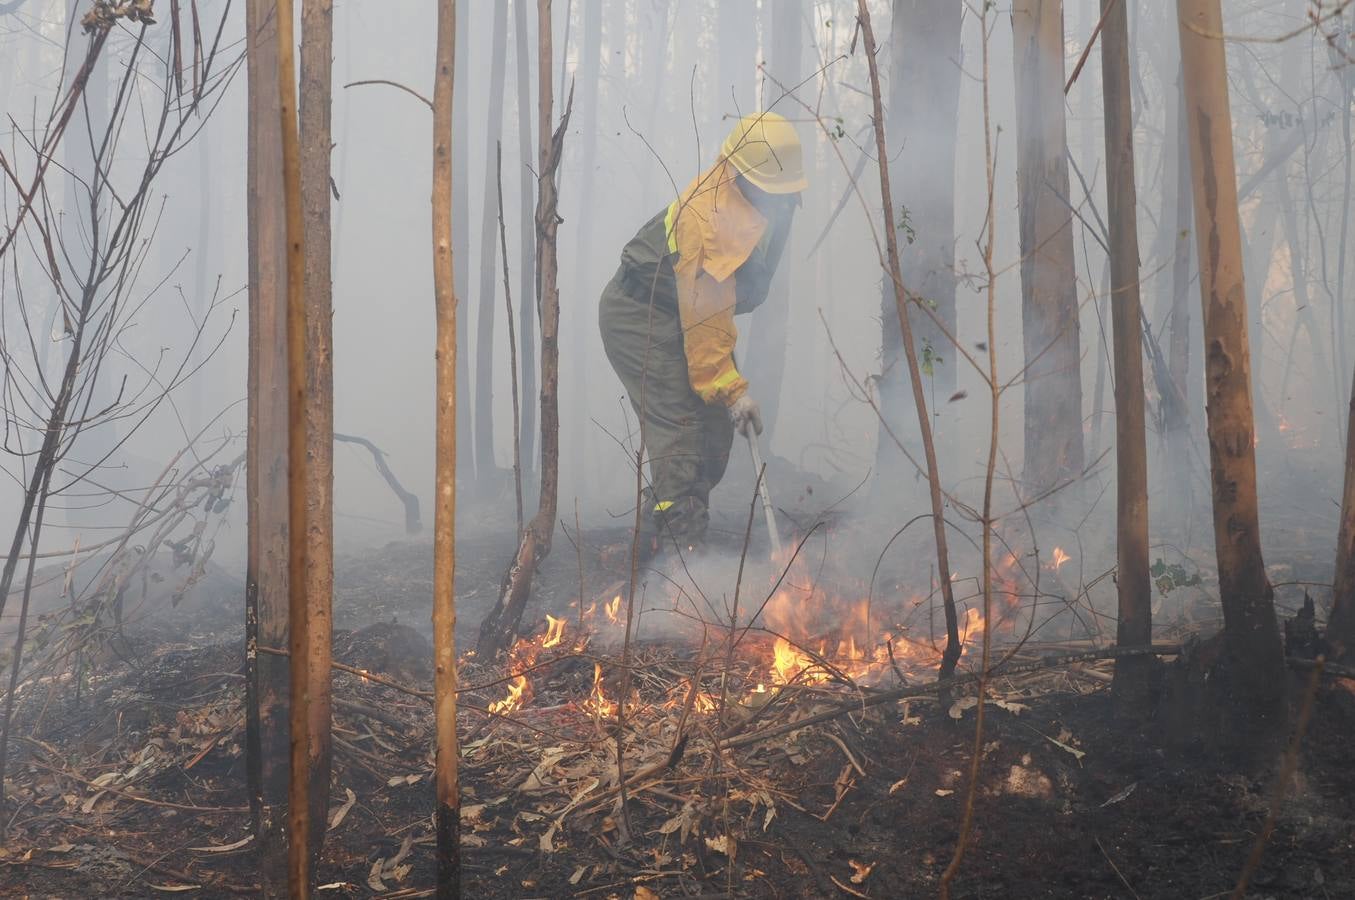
{"x": 745, "y": 413}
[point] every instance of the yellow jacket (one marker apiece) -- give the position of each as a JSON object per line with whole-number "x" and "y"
{"x": 713, "y": 229}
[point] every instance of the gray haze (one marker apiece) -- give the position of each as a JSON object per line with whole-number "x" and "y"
{"x": 663, "y": 99}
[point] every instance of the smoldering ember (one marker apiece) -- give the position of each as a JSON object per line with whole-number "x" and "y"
{"x": 649, "y": 449}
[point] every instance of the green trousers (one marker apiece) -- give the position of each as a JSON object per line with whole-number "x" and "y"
{"x": 687, "y": 441}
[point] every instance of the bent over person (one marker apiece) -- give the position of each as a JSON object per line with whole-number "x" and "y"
{"x": 667, "y": 319}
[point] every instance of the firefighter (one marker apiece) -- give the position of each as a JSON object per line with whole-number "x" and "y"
{"x": 667, "y": 319}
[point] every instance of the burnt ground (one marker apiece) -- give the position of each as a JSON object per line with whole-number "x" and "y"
{"x": 130, "y": 780}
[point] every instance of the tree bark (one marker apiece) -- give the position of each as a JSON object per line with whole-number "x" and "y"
{"x": 460, "y": 131}
{"x": 924, "y": 94}
{"x": 951, "y": 655}
{"x": 500, "y": 626}
{"x": 528, "y": 311}
{"x": 299, "y": 858}
{"x": 317, "y": 55}
{"x": 266, "y": 683}
{"x": 1131, "y": 444}
{"x": 1254, "y": 659}
{"x": 447, "y": 816}
{"x": 487, "y": 468}
{"x": 1049, "y": 307}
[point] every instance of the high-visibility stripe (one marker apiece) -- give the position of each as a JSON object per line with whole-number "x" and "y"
{"x": 669, "y": 218}
{"x": 723, "y": 382}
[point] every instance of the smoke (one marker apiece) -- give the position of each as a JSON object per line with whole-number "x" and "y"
{"x": 657, "y": 87}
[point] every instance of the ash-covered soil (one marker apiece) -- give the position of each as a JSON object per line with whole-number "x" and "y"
{"x": 128, "y": 780}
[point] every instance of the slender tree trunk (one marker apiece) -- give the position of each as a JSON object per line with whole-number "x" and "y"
{"x": 460, "y": 129}
{"x": 1298, "y": 262}
{"x": 1049, "y": 307}
{"x": 317, "y": 55}
{"x": 1101, "y": 309}
{"x": 736, "y": 36}
{"x": 652, "y": 18}
{"x": 1254, "y": 658}
{"x": 487, "y": 468}
{"x": 1258, "y": 255}
{"x": 1341, "y": 629}
{"x": 500, "y": 625}
{"x": 202, "y": 289}
{"x": 528, "y": 312}
{"x": 581, "y": 436}
{"x": 924, "y": 92}
{"x": 1177, "y": 419}
{"x": 952, "y": 652}
{"x": 266, "y": 683}
{"x": 1338, "y": 307}
{"x": 83, "y": 199}
{"x": 1131, "y": 443}
{"x": 769, "y": 341}
{"x": 299, "y": 858}
{"x": 447, "y": 789}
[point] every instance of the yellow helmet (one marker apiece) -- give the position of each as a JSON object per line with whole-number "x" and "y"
{"x": 765, "y": 148}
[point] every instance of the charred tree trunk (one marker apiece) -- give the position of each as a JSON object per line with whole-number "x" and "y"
{"x": 317, "y": 55}
{"x": 500, "y": 626}
{"x": 924, "y": 93}
{"x": 266, "y": 683}
{"x": 1049, "y": 307}
{"x": 487, "y": 470}
{"x": 1131, "y": 443}
{"x": 447, "y": 815}
{"x": 1253, "y": 660}
{"x": 894, "y": 277}
{"x": 528, "y": 312}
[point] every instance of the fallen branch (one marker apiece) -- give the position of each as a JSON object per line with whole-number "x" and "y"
{"x": 165, "y": 804}
{"x": 413, "y": 525}
{"x": 932, "y": 687}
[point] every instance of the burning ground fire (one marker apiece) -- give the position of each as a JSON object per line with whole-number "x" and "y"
{"x": 809, "y": 633}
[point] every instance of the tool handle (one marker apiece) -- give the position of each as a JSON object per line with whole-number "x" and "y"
{"x": 765, "y": 494}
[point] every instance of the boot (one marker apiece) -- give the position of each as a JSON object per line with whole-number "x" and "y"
{"x": 682, "y": 526}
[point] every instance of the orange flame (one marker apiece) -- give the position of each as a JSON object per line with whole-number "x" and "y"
{"x": 516, "y": 696}
{"x": 1060, "y": 558}
{"x": 613, "y": 610}
{"x": 789, "y": 661}
{"x": 597, "y": 702}
{"x": 972, "y": 626}
{"x": 555, "y": 631}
